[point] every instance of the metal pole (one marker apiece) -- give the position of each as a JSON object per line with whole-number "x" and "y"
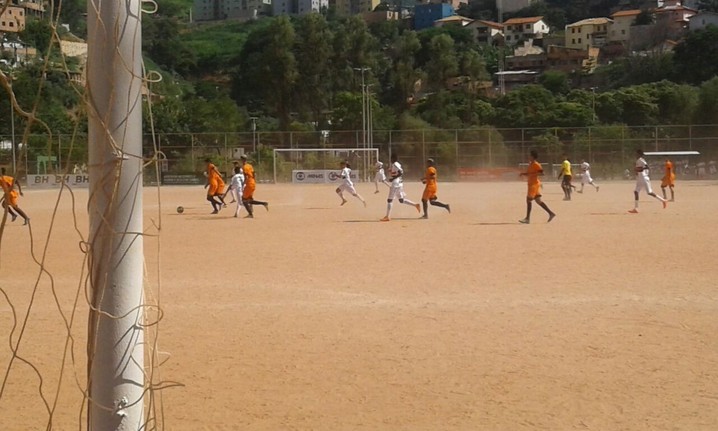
{"x": 59, "y": 154}
{"x": 254, "y": 135}
{"x": 12, "y": 135}
{"x": 115, "y": 327}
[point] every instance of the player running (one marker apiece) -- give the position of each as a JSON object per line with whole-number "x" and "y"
{"x": 643, "y": 182}
{"x": 380, "y": 176}
{"x": 586, "y": 175}
{"x": 10, "y": 196}
{"x": 430, "y": 189}
{"x": 347, "y": 184}
{"x": 214, "y": 186}
{"x": 236, "y": 187}
{"x": 249, "y": 186}
{"x": 532, "y": 174}
{"x": 566, "y": 181}
{"x": 397, "y": 187}
{"x": 668, "y": 180}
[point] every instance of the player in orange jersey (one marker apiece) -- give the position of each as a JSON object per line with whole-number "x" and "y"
{"x": 430, "y": 189}
{"x": 532, "y": 174}
{"x": 249, "y": 186}
{"x": 10, "y": 196}
{"x": 669, "y": 179}
{"x": 214, "y": 186}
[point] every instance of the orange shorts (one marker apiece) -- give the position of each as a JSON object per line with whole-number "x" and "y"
{"x": 534, "y": 191}
{"x": 248, "y": 193}
{"x": 11, "y": 198}
{"x": 429, "y": 194}
{"x": 668, "y": 181}
{"x": 214, "y": 188}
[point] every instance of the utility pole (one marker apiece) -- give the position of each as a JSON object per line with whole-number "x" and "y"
{"x": 115, "y": 342}
{"x": 254, "y": 134}
{"x": 12, "y": 132}
{"x": 502, "y": 82}
{"x": 364, "y": 112}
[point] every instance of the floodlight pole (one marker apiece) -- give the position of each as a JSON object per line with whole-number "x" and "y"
{"x": 116, "y": 380}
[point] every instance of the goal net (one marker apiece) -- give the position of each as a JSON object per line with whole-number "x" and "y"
{"x": 321, "y": 165}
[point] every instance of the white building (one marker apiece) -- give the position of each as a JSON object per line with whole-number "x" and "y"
{"x": 487, "y": 32}
{"x": 520, "y": 29}
{"x": 620, "y": 28}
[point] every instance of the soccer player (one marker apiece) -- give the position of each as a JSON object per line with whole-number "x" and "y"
{"x": 669, "y": 179}
{"x": 380, "y": 176}
{"x": 236, "y": 187}
{"x": 397, "y": 187}
{"x": 643, "y": 182}
{"x": 566, "y": 181}
{"x": 249, "y": 186}
{"x": 214, "y": 186}
{"x": 430, "y": 189}
{"x": 346, "y": 184}
{"x": 532, "y": 174}
{"x": 586, "y": 175}
{"x": 10, "y": 198}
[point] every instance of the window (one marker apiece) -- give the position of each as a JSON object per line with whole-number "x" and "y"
{"x": 579, "y": 40}
{"x": 573, "y": 29}
{"x": 527, "y": 26}
{"x": 579, "y": 29}
{"x": 573, "y": 41}
{"x": 623, "y": 31}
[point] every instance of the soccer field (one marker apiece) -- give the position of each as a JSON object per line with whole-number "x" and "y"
{"x": 316, "y": 316}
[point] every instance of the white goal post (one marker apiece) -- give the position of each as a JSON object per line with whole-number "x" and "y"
{"x": 322, "y": 161}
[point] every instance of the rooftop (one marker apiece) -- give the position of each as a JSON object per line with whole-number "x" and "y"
{"x": 527, "y": 20}
{"x": 590, "y": 21}
{"x": 632, "y": 12}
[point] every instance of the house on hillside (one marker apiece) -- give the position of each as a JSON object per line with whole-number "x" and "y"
{"x": 517, "y": 30}
{"x": 571, "y": 60}
{"x": 12, "y": 19}
{"x": 527, "y": 57}
{"x": 426, "y": 14}
{"x": 381, "y": 16}
{"x": 352, "y": 7}
{"x": 702, "y": 19}
{"x": 587, "y": 33}
{"x": 674, "y": 16}
{"x": 297, "y": 7}
{"x": 457, "y": 20}
{"x": 487, "y": 32}
{"x": 620, "y": 28}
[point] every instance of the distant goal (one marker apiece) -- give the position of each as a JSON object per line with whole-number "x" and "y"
{"x": 321, "y": 165}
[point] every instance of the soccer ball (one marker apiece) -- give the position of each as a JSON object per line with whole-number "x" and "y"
{"x": 180, "y": 209}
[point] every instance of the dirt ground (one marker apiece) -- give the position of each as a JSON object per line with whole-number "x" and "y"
{"x": 316, "y": 316}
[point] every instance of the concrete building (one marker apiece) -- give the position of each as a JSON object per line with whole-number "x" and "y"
{"x": 517, "y": 30}
{"x": 487, "y": 32}
{"x": 700, "y": 20}
{"x": 674, "y": 16}
{"x": 426, "y": 14}
{"x": 12, "y": 20}
{"x": 380, "y": 16}
{"x": 587, "y": 33}
{"x": 34, "y": 8}
{"x": 620, "y": 28}
{"x": 298, "y": 7}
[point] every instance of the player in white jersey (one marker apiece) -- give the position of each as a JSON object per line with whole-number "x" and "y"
{"x": 643, "y": 182}
{"x": 396, "y": 190}
{"x": 586, "y": 175}
{"x": 346, "y": 184}
{"x": 380, "y": 176}
{"x": 236, "y": 187}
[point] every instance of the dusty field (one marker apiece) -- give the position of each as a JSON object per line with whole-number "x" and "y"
{"x": 315, "y": 316}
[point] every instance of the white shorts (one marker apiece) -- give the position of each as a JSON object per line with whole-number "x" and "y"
{"x": 396, "y": 192}
{"x": 344, "y": 187}
{"x": 643, "y": 183}
{"x": 380, "y": 177}
{"x": 586, "y": 178}
{"x": 237, "y": 193}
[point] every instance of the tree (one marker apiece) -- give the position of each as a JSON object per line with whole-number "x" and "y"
{"x": 708, "y": 5}
{"x": 707, "y": 109}
{"x": 643, "y": 18}
{"x": 694, "y": 58}
{"x": 268, "y": 72}
{"x": 444, "y": 63}
{"x": 528, "y": 106}
{"x": 312, "y": 51}
{"x": 38, "y": 33}
{"x": 404, "y": 75}
{"x": 554, "y": 81}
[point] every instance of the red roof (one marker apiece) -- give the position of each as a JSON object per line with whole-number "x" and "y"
{"x": 632, "y": 12}
{"x": 527, "y": 20}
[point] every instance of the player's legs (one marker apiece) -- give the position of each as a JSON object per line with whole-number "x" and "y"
{"x": 673, "y": 196}
{"x": 436, "y": 203}
{"x": 13, "y": 215}
{"x": 527, "y": 219}
{"x": 663, "y": 191}
{"x": 215, "y": 205}
{"x": 405, "y": 201}
{"x": 341, "y": 195}
{"x": 543, "y": 205}
{"x": 393, "y": 192}
{"x": 358, "y": 196}
{"x": 22, "y": 214}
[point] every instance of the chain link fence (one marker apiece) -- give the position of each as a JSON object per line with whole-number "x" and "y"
{"x": 466, "y": 154}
